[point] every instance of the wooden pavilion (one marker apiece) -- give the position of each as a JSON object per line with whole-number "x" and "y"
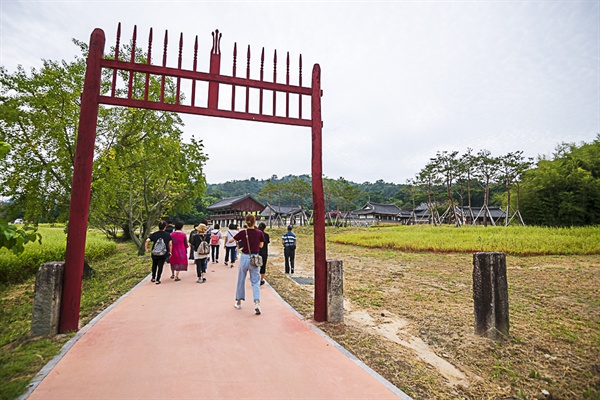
{"x": 234, "y": 210}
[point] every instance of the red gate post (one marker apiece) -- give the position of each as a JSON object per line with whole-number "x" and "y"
{"x": 80, "y": 190}
{"x": 320, "y": 311}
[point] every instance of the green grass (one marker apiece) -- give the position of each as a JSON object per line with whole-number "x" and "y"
{"x": 16, "y": 269}
{"x": 21, "y": 356}
{"x": 514, "y": 240}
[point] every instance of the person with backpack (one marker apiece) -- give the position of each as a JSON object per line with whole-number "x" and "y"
{"x": 201, "y": 247}
{"x": 231, "y": 248}
{"x": 193, "y": 233}
{"x": 161, "y": 249}
{"x": 215, "y": 242}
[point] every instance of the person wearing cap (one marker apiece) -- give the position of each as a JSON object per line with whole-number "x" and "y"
{"x": 289, "y": 249}
{"x": 201, "y": 260}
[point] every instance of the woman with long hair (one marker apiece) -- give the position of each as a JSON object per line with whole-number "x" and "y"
{"x": 252, "y": 240}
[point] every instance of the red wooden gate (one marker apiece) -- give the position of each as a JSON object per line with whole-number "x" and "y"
{"x": 92, "y": 98}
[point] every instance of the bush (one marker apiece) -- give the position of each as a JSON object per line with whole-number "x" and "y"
{"x": 15, "y": 269}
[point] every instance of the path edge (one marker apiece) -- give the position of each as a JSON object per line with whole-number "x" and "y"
{"x": 41, "y": 375}
{"x": 345, "y": 352}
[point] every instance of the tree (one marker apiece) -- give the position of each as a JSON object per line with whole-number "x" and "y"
{"x": 38, "y": 118}
{"x": 565, "y": 190}
{"x": 487, "y": 172}
{"x": 511, "y": 168}
{"x": 446, "y": 165}
{"x": 427, "y": 178}
{"x": 298, "y": 189}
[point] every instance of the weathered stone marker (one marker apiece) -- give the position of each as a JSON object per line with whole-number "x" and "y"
{"x": 46, "y": 299}
{"x": 490, "y": 295}
{"x": 335, "y": 291}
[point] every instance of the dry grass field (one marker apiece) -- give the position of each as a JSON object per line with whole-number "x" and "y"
{"x": 409, "y": 316}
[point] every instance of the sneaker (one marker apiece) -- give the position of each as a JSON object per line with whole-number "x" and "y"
{"x": 199, "y": 281}
{"x": 203, "y": 279}
{"x": 158, "y": 282}
{"x": 257, "y": 309}
{"x": 262, "y": 282}
{"x": 225, "y": 263}
{"x": 232, "y": 265}
{"x": 152, "y": 280}
{"x": 237, "y": 305}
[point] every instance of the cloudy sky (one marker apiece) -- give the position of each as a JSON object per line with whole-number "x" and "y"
{"x": 402, "y": 80}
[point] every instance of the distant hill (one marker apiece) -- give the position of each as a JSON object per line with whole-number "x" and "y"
{"x": 378, "y": 192}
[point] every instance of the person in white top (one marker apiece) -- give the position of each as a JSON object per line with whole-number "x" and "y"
{"x": 215, "y": 243}
{"x": 231, "y": 248}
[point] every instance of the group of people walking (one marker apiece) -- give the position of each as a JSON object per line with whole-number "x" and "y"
{"x": 170, "y": 244}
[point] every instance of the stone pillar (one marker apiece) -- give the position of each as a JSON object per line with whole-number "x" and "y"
{"x": 490, "y": 295}
{"x": 47, "y": 298}
{"x": 335, "y": 291}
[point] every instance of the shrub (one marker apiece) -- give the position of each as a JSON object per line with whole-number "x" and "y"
{"x": 15, "y": 269}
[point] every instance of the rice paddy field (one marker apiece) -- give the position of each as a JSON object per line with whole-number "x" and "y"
{"x": 408, "y": 303}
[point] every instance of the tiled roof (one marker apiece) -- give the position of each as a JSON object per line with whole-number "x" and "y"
{"x": 272, "y": 209}
{"x": 376, "y": 208}
{"x": 228, "y": 202}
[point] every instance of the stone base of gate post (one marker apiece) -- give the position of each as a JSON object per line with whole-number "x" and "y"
{"x": 335, "y": 291}
{"x": 490, "y": 295}
{"x": 46, "y": 299}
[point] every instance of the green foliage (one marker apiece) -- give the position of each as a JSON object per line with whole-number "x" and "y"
{"x": 564, "y": 191}
{"x": 15, "y": 268}
{"x": 11, "y": 237}
{"x": 15, "y": 239}
{"x": 39, "y": 114}
{"x": 516, "y": 240}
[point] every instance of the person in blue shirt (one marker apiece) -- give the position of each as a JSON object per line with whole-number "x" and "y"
{"x": 289, "y": 249}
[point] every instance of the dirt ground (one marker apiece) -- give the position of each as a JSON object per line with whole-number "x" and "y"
{"x": 410, "y": 318}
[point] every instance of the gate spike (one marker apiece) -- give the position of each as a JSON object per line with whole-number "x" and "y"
{"x": 164, "y": 64}
{"x": 300, "y": 85}
{"x": 193, "y": 101}
{"x": 274, "y": 81}
{"x": 180, "y": 50}
{"x": 287, "y": 82}
{"x": 114, "y": 82}
{"x": 179, "y": 67}
{"x": 248, "y": 77}
{"x": 132, "y": 60}
{"x": 262, "y": 64}
{"x": 149, "y": 62}
{"x": 234, "y": 75}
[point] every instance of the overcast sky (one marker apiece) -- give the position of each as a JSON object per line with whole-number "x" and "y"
{"x": 402, "y": 80}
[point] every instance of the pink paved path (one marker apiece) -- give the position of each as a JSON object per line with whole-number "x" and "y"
{"x": 184, "y": 340}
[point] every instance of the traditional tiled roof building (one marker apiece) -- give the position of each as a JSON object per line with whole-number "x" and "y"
{"x": 284, "y": 215}
{"x": 234, "y": 209}
{"x": 378, "y": 212}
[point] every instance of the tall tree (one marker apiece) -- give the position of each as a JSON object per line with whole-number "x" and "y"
{"x": 446, "y": 165}
{"x": 39, "y": 116}
{"x": 511, "y": 167}
{"x": 487, "y": 172}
